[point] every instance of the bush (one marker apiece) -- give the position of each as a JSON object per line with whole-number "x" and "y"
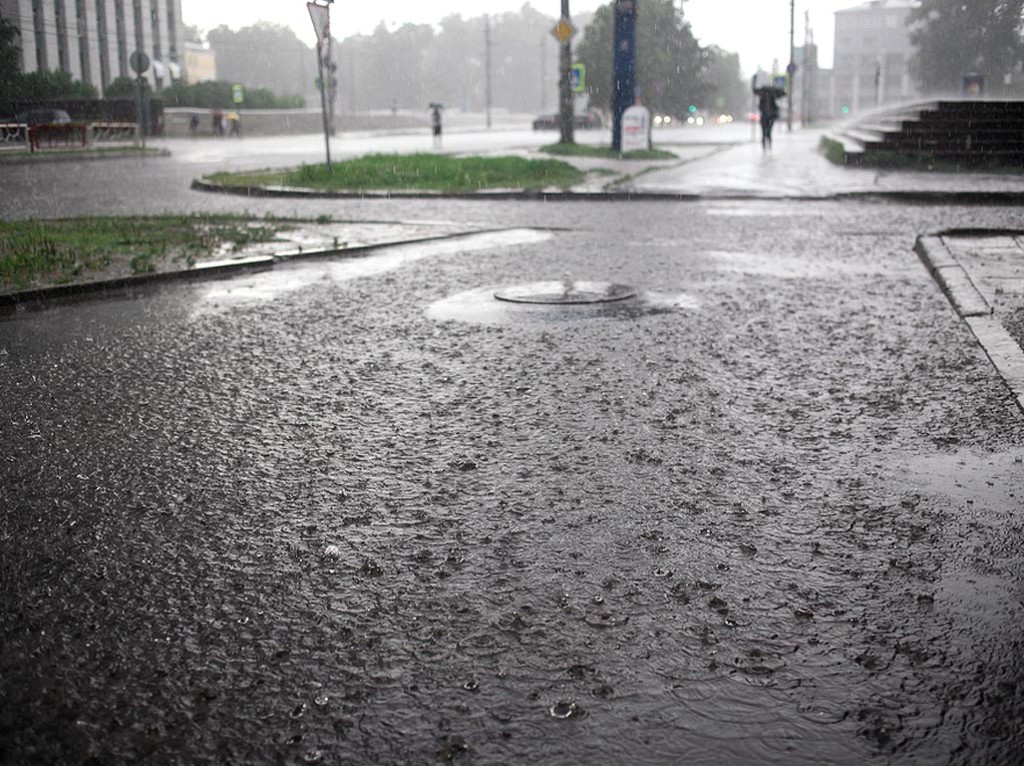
{"x": 217, "y": 95}
{"x": 45, "y": 86}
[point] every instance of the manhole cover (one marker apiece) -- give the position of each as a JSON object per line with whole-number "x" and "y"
{"x": 566, "y": 293}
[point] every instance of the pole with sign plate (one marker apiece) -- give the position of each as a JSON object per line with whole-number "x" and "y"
{"x": 624, "y": 67}
{"x": 139, "y": 63}
{"x": 321, "y": 17}
{"x": 563, "y": 32}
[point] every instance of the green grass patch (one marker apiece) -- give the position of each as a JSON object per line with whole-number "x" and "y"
{"x": 833, "y": 150}
{"x": 35, "y": 253}
{"x": 605, "y": 152}
{"x": 416, "y": 172}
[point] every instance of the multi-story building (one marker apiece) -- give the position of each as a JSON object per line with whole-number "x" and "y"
{"x": 872, "y": 56}
{"x": 93, "y": 40}
{"x": 200, "y": 63}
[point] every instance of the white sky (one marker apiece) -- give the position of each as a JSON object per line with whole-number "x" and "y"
{"x": 758, "y": 30}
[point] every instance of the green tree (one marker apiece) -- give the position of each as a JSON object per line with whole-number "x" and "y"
{"x": 264, "y": 55}
{"x": 954, "y": 37}
{"x": 46, "y": 86}
{"x": 671, "y": 65}
{"x": 122, "y": 87}
{"x": 10, "y": 51}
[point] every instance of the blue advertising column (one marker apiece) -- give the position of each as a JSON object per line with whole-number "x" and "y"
{"x": 624, "y": 70}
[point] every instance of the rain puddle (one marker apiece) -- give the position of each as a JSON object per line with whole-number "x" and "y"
{"x": 267, "y": 286}
{"x": 789, "y": 267}
{"x": 977, "y": 480}
{"x": 496, "y": 304}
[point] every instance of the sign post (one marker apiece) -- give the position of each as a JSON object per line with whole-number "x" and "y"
{"x": 624, "y": 70}
{"x": 563, "y": 32}
{"x": 139, "y": 63}
{"x": 321, "y": 17}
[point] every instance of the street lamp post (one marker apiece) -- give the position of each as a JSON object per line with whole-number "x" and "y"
{"x": 792, "y": 63}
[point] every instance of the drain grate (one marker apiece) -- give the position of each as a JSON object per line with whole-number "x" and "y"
{"x": 566, "y": 293}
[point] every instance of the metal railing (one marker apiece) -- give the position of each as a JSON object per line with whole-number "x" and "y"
{"x": 16, "y": 136}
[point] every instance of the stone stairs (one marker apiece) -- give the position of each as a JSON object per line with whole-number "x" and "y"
{"x": 975, "y": 133}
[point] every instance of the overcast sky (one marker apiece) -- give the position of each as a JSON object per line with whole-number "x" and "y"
{"x": 758, "y": 30}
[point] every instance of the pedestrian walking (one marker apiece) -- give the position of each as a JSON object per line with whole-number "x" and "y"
{"x": 768, "y": 105}
{"x": 435, "y": 123}
{"x": 193, "y": 125}
{"x": 235, "y": 121}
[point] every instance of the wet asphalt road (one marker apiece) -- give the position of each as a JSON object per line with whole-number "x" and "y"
{"x": 359, "y": 512}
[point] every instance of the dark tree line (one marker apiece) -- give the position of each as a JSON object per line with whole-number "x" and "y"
{"x": 673, "y": 70}
{"x": 953, "y": 38}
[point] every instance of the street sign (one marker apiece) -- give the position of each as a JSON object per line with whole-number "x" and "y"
{"x": 563, "y": 30}
{"x": 237, "y": 94}
{"x": 636, "y": 129}
{"x": 578, "y": 78}
{"x": 321, "y": 17}
{"x": 139, "y": 62}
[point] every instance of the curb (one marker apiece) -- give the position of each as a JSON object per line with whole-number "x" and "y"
{"x": 907, "y": 197}
{"x": 44, "y": 157}
{"x": 11, "y": 303}
{"x": 970, "y": 305}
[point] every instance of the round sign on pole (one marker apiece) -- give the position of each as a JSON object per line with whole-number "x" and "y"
{"x": 139, "y": 62}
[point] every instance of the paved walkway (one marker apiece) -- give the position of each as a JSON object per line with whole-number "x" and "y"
{"x": 795, "y": 168}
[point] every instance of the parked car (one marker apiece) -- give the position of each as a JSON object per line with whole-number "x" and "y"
{"x": 585, "y": 120}
{"x": 34, "y": 117}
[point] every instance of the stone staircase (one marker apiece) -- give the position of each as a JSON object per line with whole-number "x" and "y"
{"x": 974, "y": 133}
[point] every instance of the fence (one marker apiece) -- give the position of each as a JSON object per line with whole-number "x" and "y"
{"x": 75, "y": 135}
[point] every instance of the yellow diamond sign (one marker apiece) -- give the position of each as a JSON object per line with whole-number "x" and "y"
{"x": 563, "y": 30}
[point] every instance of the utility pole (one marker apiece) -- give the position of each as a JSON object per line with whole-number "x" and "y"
{"x": 565, "y": 73}
{"x": 487, "y": 65}
{"x": 543, "y": 73}
{"x": 791, "y": 69}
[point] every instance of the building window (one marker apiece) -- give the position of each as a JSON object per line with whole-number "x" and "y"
{"x": 62, "y": 36}
{"x": 102, "y": 40}
{"x": 122, "y": 39}
{"x": 172, "y": 31}
{"x": 83, "y": 42}
{"x": 38, "y": 29}
{"x": 154, "y": 17}
{"x": 137, "y": 15}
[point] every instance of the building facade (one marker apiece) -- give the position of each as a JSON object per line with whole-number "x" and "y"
{"x": 200, "y": 63}
{"x": 872, "y": 57}
{"x": 92, "y": 40}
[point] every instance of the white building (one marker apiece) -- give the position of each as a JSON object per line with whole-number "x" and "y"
{"x": 92, "y": 40}
{"x": 872, "y": 57}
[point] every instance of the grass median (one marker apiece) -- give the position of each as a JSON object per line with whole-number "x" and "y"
{"x": 416, "y": 172}
{"x": 605, "y": 152}
{"x": 64, "y": 251}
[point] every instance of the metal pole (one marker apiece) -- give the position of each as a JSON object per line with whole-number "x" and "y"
{"x": 141, "y": 109}
{"x": 487, "y": 60}
{"x": 564, "y": 84}
{"x": 323, "y": 102}
{"x": 792, "y": 63}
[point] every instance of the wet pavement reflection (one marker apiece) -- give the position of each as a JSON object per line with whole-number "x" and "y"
{"x": 360, "y": 511}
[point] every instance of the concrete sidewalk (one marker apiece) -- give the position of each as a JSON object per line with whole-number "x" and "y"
{"x": 796, "y": 169}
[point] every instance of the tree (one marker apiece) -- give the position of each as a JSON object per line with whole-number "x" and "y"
{"x": 10, "y": 53}
{"x": 122, "y": 87}
{"x": 46, "y": 86}
{"x": 671, "y": 65}
{"x": 956, "y": 37}
{"x": 264, "y": 55}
